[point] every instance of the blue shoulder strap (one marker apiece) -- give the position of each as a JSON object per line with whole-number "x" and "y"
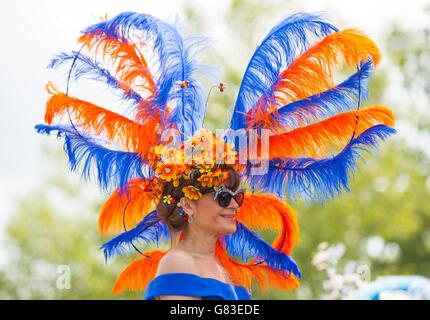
{"x": 187, "y": 284}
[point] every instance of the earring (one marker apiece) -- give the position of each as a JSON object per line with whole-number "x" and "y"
{"x": 190, "y": 218}
{"x": 183, "y": 214}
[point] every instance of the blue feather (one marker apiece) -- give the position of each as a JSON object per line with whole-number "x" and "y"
{"x": 276, "y": 52}
{"x": 318, "y": 180}
{"x": 249, "y": 245}
{"x": 189, "y": 102}
{"x": 150, "y": 229}
{"x": 125, "y": 24}
{"x": 340, "y": 98}
{"x": 113, "y": 168}
{"x": 90, "y": 69}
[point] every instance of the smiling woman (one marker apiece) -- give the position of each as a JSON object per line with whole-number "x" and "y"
{"x": 203, "y": 222}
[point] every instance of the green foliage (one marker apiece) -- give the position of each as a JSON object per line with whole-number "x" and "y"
{"x": 54, "y": 226}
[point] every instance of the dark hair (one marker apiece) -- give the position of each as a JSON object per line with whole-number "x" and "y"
{"x": 169, "y": 213}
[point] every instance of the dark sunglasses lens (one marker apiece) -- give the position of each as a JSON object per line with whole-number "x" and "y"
{"x": 239, "y": 198}
{"x": 224, "y": 199}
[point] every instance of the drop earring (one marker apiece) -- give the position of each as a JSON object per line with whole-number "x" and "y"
{"x": 182, "y": 213}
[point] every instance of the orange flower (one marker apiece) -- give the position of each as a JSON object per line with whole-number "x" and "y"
{"x": 206, "y": 180}
{"x": 219, "y": 177}
{"x": 167, "y": 172}
{"x": 191, "y": 192}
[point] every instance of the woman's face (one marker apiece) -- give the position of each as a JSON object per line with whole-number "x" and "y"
{"x": 208, "y": 214}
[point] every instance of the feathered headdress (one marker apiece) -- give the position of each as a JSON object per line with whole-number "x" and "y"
{"x": 317, "y": 132}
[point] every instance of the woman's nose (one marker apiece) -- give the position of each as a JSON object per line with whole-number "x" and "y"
{"x": 233, "y": 204}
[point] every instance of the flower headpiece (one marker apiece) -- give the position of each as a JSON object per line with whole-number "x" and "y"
{"x": 197, "y": 158}
{"x": 314, "y": 130}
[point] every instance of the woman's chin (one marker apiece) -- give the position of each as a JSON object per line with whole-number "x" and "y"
{"x": 228, "y": 227}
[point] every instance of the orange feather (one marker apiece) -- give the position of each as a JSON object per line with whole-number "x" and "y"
{"x": 312, "y": 72}
{"x": 137, "y": 275}
{"x": 327, "y": 137}
{"x": 130, "y": 65}
{"x": 132, "y": 135}
{"x": 128, "y": 206}
{"x": 264, "y": 211}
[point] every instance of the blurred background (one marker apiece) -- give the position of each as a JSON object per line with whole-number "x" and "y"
{"x": 48, "y": 216}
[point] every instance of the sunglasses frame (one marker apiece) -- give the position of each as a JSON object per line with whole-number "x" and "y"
{"x": 222, "y": 189}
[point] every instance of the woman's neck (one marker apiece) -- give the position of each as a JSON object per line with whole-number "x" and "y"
{"x": 199, "y": 242}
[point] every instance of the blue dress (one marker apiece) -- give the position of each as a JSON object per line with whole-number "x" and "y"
{"x": 187, "y": 284}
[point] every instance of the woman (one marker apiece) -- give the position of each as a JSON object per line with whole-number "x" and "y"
{"x": 191, "y": 270}
{"x": 315, "y": 130}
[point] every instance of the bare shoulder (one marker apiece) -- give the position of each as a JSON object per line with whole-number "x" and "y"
{"x": 177, "y": 261}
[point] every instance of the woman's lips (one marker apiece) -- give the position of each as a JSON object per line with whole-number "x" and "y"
{"x": 231, "y": 217}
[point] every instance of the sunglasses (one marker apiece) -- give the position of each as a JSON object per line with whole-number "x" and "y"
{"x": 223, "y": 196}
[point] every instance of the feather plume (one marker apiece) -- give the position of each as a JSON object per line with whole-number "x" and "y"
{"x": 88, "y": 68}
{"x": 318, "y": 180}
{"x": 247, "y": 274}
{"x": 175, "y": 65}
{"x": 127, "y": 207}
{"x": 186, "y": 96}
{"x": 249, "y": 246}
{"x": 327, "y": 137}
{"x": 113, "y": 168}
{"x": 264, "y": 211}
{"x": 130, "y": 67}
{"x": 276, "y": 53}
{"x": 341, "y": 98}
{"x": 137, "y": 275}
{"x": 312, "y": 71}
{"x": 129, "y": 62}
{"x": 149, "y": 230}
{"x": 124, "y": 25}
{"x": 97, "y": 120}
